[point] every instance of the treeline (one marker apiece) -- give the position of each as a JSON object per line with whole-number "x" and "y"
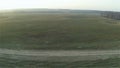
{"x": 112, "y": 15}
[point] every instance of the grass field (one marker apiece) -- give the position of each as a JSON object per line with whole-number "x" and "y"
{"x": 77, "y": 31}
{"x": 100, "y": 63}
{"x": 58, "y": 31}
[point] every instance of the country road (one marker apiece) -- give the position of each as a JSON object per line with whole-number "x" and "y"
{"x": 59, "y": 52}
{"x": 63, "y": 55}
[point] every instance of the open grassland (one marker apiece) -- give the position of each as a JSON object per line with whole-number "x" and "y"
{"x": 100, "y": 63}
{"x": 58, "y": 31}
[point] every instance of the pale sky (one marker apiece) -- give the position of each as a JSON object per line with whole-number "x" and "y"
{"x": 62, "y": 4}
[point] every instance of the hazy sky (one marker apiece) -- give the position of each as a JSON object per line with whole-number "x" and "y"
{"x": 62, "y": 4}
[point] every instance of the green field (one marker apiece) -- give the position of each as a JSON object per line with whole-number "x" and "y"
{"x": 27, "y": 31}
{"x": 100, "y": 63}
{"x": 58, "y": 31}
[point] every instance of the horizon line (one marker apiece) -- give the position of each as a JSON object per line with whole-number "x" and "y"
{"x": 56, "y": 9}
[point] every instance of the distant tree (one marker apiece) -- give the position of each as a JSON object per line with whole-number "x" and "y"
{"x": 112, "y": 15}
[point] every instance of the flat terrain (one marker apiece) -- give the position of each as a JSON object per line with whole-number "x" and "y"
{"x": 58, "y": 31}
{"x": 81, "y": 39}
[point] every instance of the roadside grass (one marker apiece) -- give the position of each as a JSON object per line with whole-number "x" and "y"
{"x": 100, "y": 63}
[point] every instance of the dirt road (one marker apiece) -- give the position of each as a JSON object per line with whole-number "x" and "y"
{"x": 61, "y": 55}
